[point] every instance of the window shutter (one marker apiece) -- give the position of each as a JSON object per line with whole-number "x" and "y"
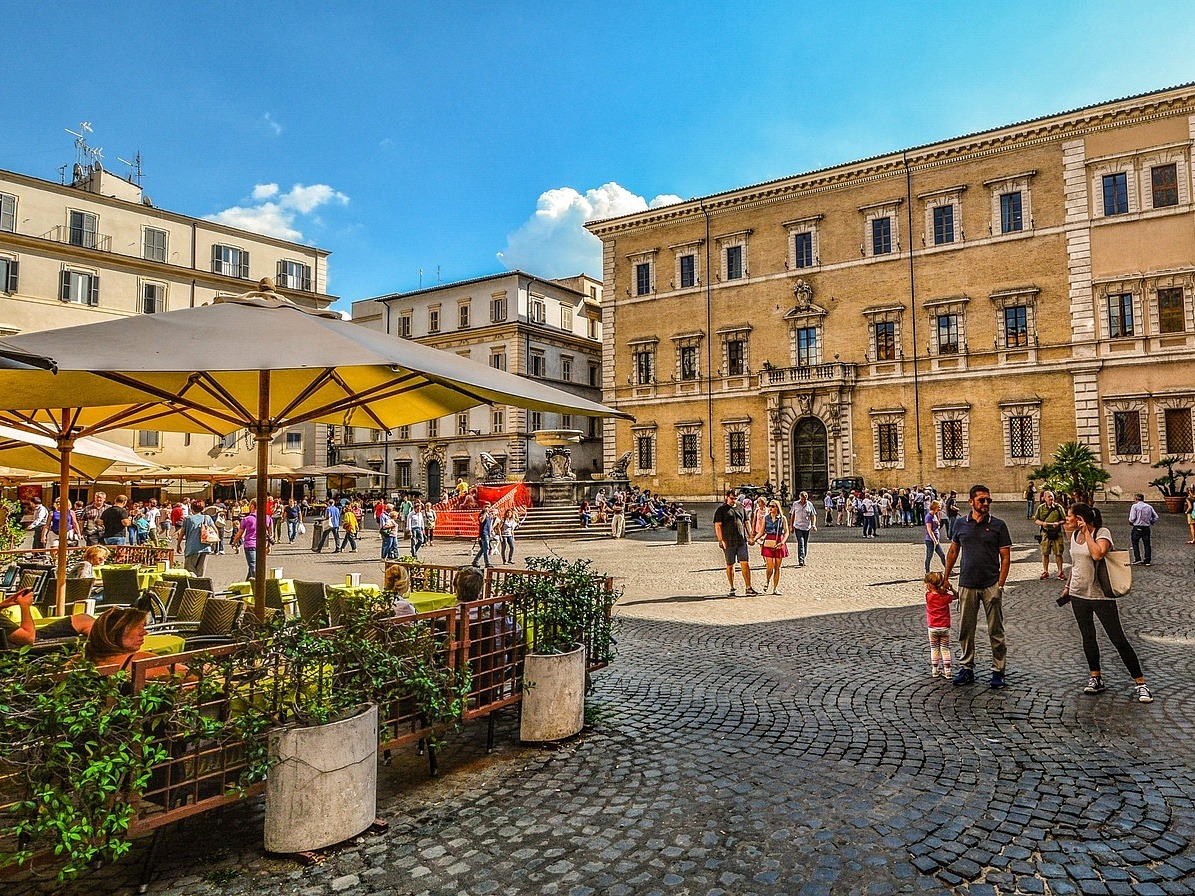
{"x": 215, "y": 259}
{"x": 306, "y": 278}
{"x": 13, "y": 267}
{"x": 245, "y": 265}
{"x": 93, "y": 294}
{"x": 64, "y": 289}
{"x": 279, "y": 281}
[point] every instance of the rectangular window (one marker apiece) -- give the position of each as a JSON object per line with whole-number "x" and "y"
{"x": 539, "y": 312}
{"x": 566, "y": 318}
{"x": 952, "y": 439}
{"x": 803, "y": 249}
{"x": 592, "y": 327}
{"x": 433, "y": 429}
{"x": 462, "y": 317}
{"x": 1171, "y": 314}
{"x": 462, "y": 424}
{"x": 806, "y": 346}
{"x": 594, "y": 424}
{"x": 1010, "y": 212}
{"x": 881, "y": 236}
{"x": 498, "y": 360}
{"x": 734, "y": 262}
{"x": 154, "y": 245}
{"x": 566, "y": 421}
{"x": 738, "y": 449}
{"x": 1016, "y": 326}
{"x": 497, "y": 310}
{"x": 645, "y": 452}
{"x": 294, "y": 442}
{"x": 566, "y": 369}
{"x": 8, "y": 213}
{"x": 230, "y": 261}
{"x": 943, "y": 224}
{"x": 688, "y": 362}
{"x": 645, "y": 373}
{"x": 1179, "y": 436}
{"x": 229, "y": 442}
{"x": 9, "y": 274}
{"x": 153, "y": 298}
{"x": 83, "y": 230}
{"x": 595, "y": 375}
{"x": 888, "y": 437}
{"x": 1120, "y": 315}
{"x": 535, "y": 421}
{"x": 1020, "y": 438}
{"x": 885, "y": 333}
{"x": 1116, "y": 193}
{"x": 404, "y": 433}
{"x": 1126, "y": 427}
{"x": 688, "y": 271}
{"x": 80, "y": 288}
{"x": 433, "y": 319}
{"x": 736, "y": 357}
{"x": 642, "y": 278}
{"x": 404, "y": 325}
{"x": 688, "y": 451}
{"x": 402, "y": 473}
{"x": 149, "y": 438}
{"x": 460, "y": 468}
{"x": 294, "y": 275}
{"x": 539, "y": 364}
{"x": 1164, "y": 180}
{"x": 947, "y": 328}
{"x": 498, "y": 420}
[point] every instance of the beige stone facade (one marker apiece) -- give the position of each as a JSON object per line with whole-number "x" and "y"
{"x": 944, "y": 315}
{"x": 96, "y": 250}
{"x": 546, "y": 329}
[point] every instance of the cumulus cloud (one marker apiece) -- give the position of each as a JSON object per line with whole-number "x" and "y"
{"x": 553, "y": 241}
{"x": 274, "y": 213}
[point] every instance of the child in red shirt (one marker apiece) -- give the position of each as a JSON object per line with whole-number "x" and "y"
{"x": 937, "y": 615}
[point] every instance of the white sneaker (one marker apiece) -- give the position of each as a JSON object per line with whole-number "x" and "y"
{"x": 935, "y": 672}
{"x": 1143, "y": 695}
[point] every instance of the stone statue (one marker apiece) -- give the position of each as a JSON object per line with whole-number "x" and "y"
{"x": 560, "y": 464}
{"x": 621, "y": 466}
{"x": 495, "y": 470}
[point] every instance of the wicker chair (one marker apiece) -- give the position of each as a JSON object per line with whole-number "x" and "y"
{"x": 120, "y": 586}
{"x": 312, "y": 600}
{"x": 220, "y": 619}
{"x": 78, "y": 589}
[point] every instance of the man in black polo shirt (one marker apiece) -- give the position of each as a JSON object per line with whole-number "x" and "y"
{"x": 986, "y": 547}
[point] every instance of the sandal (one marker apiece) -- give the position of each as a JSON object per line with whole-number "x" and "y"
{"x": 751, "y": 592}
{"x": 1045, "y": 575}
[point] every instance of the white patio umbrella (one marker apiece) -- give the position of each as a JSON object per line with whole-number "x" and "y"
{"x": 255, "y": 362}
{"x": 39, "y": 454}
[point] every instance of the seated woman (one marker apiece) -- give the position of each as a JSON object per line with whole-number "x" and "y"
{"x": 96, "y": 555}
{"x": 396, "y": 583}
{"x": 25, "y": 633}
{"x": 116, "y": 639}
{"x": 468, "y": 584}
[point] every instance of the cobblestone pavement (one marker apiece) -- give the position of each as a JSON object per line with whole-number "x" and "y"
{"x": 787, "y": 745}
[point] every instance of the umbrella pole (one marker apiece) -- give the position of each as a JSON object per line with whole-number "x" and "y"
{"x": 263, "y": 434}
{"x": 65, "y": 444}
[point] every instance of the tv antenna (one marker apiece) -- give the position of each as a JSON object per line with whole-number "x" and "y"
{"x": 135, "y": 174}
{"x": 86, "y": 157}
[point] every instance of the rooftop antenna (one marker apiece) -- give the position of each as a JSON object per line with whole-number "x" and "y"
{"x": 421, "y": 278}
{"x": 437, "y": 273}
{"x": 135, "y": 174}
{"x": 86, "y": 157}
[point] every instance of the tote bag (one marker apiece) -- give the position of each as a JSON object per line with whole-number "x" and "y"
{"x": 1114, "y": 574}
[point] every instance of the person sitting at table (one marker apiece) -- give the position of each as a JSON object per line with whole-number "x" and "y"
{"x": 96, "y": 555}
{"x": 116, "y": 639}
{"x": 396, "y": 585}
{"x": 468, "y": 584}
{"x": 25, "y": 633}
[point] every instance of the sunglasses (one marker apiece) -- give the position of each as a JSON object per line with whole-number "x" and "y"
{"x": 983, "y": 500}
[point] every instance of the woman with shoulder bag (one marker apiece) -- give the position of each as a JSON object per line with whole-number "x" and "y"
{"x": 1090, "y": 541}
{"x": 772, "y": 532}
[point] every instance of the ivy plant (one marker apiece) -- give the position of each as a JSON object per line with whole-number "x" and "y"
{"x": 570, "y": 607}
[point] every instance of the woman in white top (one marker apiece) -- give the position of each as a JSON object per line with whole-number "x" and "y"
{"x": 511, "y": 520}
{"x": 1089, "y": 542}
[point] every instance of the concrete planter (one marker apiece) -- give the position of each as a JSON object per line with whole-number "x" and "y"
{"x": 324, "y": 787}
{"x": 1174, "y": 503}
{"x": 553, "y": 696}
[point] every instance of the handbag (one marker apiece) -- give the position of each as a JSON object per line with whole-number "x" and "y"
{"x": 208, "y": 534}
{"x": 771, "y": 542}
{"x": 1114, "y": 574}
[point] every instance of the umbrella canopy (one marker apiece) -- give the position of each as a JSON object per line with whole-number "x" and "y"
{"x": 277, "y": 365}
{"x": 38, "y": 453}
{"x": 349, "y": 470}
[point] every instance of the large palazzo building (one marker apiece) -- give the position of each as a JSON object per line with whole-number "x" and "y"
{"x": 947, "y": 314}
{"x": 97, "y": 249}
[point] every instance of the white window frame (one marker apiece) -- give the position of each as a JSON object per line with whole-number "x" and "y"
{"x": 498, "y": 420}
{"x": 8, "y": 213}
{"x": 1112, "y": 407}
{"x": 680, "y": 251}
{"x": 406, "y": 323}
{"x": 566, "y": 318}
{"x": 1009, "y": 298}
{"x": 727, "y": 241}
{"x": 433, "y": 319}
{"x": 942, "y": 414}
{"x": 74, "y": 293}
{"x": 1027, "y": 407}
{"x": 293, "y": 443}
{"x": 648, "y": 431}
{"x": 888, "y": 417}
{"x": 798, "y": 226}
{"x": 566, "y": 368}
{"x": 149, "y": 440}
{"x": 935, "y": 199}
{"x": 146, "y": 247}
{"x": 737, "y": 425}
{"x": 1181, "y": 281}
{"x": 294, "y": 275}
{"x": 1012, "y": 183}
{"x": 1181, "y": 402}
{"x": 727, "y": 335}
{"x": 537, "y": 363}
{"x": 889, "y": 209}
{"x": 643, "y": 258}
{"x": 683, "y": 341}
{"x": 648, "y": 347}
{"x": 1135, "y": 288}
{"x": 498, "y": 358}
{"x": 10, "y": 274}
{"x": 888, "y": 314}
{"x": 161, "y": 289}
{"x": 688, "y": 428}
{"x": 498, "y": 308}
{"x": 233, "y": 261}
{"x": 537, "y": 310}
{"x": 85, "y": 216}
{"x": 464, "y": 315}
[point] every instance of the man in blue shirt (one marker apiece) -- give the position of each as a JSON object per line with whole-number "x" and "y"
{"x": 331, "y": 527}
{"x": 1141, "y": 517}
{"x": 986, "y": 548}
{"x": 485, "y": 531}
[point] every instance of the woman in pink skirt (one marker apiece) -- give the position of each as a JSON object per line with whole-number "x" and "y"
{"x": 772, "y": 533}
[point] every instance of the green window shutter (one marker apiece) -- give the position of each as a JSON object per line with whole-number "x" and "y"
{"x": 245, "y": 265}
{"x": 13, "y": 267}
{"x": 64, "y": 289}
{"x": 93, "y": 295}
{"x": 215, "y": 259}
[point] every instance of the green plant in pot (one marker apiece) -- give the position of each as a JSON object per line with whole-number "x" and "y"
{"x": 564, "y": 609}
{"x": 1074, "y": 469}
{"x": 79, "y": 748}
{"x": 1172, "y": 485}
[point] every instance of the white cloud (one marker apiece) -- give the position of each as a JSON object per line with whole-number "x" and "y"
{"x": 274, "y": 127}
{"x": 554, "y": 243}
{"x": 273, "y": 213}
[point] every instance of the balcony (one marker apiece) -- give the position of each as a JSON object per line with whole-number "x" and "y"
{"x": 776, "y": 379}
{"x": 86, "y": 239}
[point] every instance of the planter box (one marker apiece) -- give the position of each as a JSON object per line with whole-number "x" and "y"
{"x": 553, "y": 696}
{"x": 1174, "y": 503}
{"x": 324, "y": 787}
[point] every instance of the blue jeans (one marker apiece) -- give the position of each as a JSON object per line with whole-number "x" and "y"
{"x": 507, "y": 546}
{"x": 116, "y": 539}
{"x": 350, "y": 538}
{"x": 802, "y": 536}
{"x": 417, "y": 541}
{"x": 483, "y": 552}
{"x": 251, "y": 560}
{"x": 932, "y": 547}
{"x": 292, "y": 528}
{"x": 389, "y": 547}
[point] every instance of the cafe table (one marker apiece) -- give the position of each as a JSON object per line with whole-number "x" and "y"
{"x": 245, "y": 589}
{"x": 426, "y": 601}
{"x": 354, "y": 591}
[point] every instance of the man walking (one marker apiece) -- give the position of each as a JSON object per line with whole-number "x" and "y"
{"x": 1049, "y": 517}
{"x": 485, "y": 531}
{"x": 986, "y": 549}
{"x": 730, "y": 528}
{"x": 189, "y": 536}
{"x": 40, "y": 522}
{"x": 115, "y": 521}
{"x": 331, "y": 527}
{"x": 1141, "y": 517}
{"x": 803, "y": 518}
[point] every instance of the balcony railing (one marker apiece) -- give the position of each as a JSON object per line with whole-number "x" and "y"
{"x": 836, "y": 374}
{"x": 86, "y": 239}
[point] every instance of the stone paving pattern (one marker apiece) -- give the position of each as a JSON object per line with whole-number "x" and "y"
{"x": 782, "y": 745}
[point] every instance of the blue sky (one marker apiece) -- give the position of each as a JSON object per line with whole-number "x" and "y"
{"x": 475, "y": 137}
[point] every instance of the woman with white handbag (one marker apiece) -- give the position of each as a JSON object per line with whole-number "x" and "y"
{"x": 1090, "y": 544}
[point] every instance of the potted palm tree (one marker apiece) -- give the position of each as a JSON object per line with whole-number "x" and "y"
{"x": 1173, "y": 485}
{"x": 565, "y": 614}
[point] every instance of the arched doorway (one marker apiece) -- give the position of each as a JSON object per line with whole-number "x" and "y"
{"x": 434, "y": 483}
{"x": 811, "y": 471}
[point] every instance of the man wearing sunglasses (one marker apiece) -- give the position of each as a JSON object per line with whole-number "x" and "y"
{"x": 986, "y": 549}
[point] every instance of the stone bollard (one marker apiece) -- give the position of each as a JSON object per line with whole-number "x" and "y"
{"x": 682, "y": 529}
